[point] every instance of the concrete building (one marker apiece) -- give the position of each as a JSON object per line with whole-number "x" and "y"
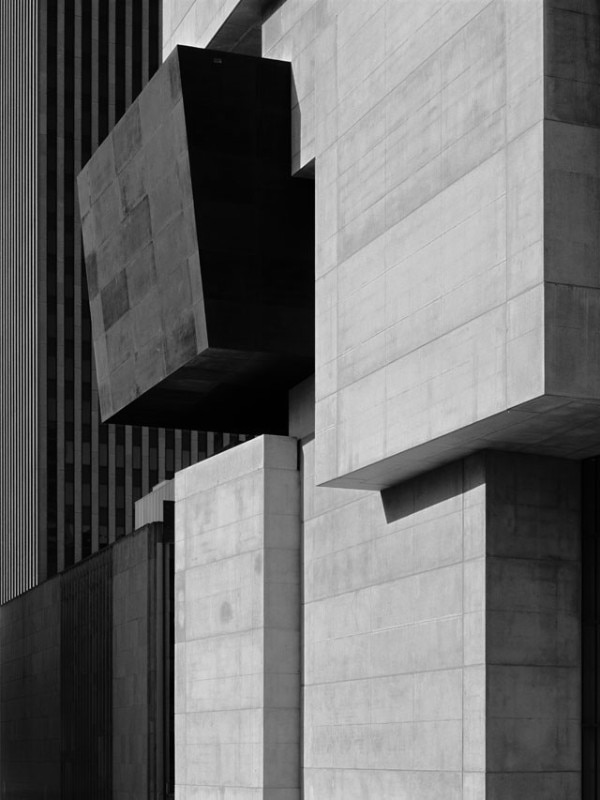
{"x": 388, "y": 601}
{"x": 393, "y": 593}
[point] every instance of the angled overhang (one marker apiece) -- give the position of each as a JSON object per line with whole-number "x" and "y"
{"x": 199, "y": 249}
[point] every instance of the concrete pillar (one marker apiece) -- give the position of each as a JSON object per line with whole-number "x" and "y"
{"x": 533, "y": 627}
{"x": 237, "y": 624}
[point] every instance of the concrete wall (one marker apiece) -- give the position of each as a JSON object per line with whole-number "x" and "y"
{"x": 533, "y": 627}
{"x": 456, "y": 186}
{"x": 193, "y": 22}
{"x": 411, "y": 143}
{"x": 237, "y": 621}
{"x": 394, "y": 620}
{"x": 441, "y": 620}
{"x": 572, "y": 195}
{"x": 456, "y": 170}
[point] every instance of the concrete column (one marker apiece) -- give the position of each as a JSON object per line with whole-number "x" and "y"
{"x": 237, "y": 624}
{"x": 533, "y": 624}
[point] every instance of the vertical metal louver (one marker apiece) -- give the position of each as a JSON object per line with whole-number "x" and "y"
{"x": 18, "y": 297}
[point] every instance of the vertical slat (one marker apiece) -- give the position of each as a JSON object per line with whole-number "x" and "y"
{"x": 590, "y": 630}
{"x": 60, "y": 296}
{"x": 18, "y": 298}
{"x": 80, "y": 295}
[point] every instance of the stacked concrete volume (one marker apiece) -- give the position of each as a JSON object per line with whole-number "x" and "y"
{"x": 385, "y": 602}
{"x": 391, "y": 591}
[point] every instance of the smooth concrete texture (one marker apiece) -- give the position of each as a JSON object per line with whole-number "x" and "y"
{"x": 533, "y": 627}
{"x": 237, "y": 624}
{"x": 455, "y": 148}
{"x": 394, "y": 649}
{"x": 441, "y": 634}
{"x": 193, "y": 22}
{"x": 455, "y": 161}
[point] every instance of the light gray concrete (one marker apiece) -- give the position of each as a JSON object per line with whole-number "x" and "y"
{"x": 394, "y": 621}
{"x": 193, "y": 22}
{"x": 456, "y": 171}
{"x": 457, "y": 233}
{"x": 442, "y": 653}
{"x": 237, "y": 624}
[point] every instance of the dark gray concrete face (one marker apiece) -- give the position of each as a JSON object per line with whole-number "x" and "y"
{"x": 199, "y": 249}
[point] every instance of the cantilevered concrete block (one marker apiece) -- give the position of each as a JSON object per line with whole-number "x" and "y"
{"x": 458, "y": 286}
{"x": 199, "y": 249}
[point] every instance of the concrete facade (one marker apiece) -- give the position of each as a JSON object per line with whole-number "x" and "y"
{"x": 387, "y": 602}
{"x": 455, "y": 183}
{"x": 237, "y": 624}
{"x": 432, "y": 666}
{"x": 440, "y": 629}
{"x": 454, "y": 153}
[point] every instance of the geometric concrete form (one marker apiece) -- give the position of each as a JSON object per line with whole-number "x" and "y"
{"x": 199, "y": 249}
{"x": 442, "y": 634}
{"x": 458, "y": 231}
{"x": 237, "y": 624}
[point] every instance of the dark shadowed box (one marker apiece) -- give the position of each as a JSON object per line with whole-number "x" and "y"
{"x": 199, "y": 249}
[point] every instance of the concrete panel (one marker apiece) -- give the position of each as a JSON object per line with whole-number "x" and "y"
{"x": 237, "y": 628}
{"x": 458, "y": 180}
{"x": 441, "y": 633}
{"x": 392, "y": 706}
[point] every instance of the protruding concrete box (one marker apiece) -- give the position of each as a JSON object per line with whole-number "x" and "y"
{"x": 199, "y": 249}
{"x": 458, "y": 287}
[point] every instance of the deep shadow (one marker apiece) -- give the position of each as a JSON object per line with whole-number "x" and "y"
{"x": 431, "y": 488}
